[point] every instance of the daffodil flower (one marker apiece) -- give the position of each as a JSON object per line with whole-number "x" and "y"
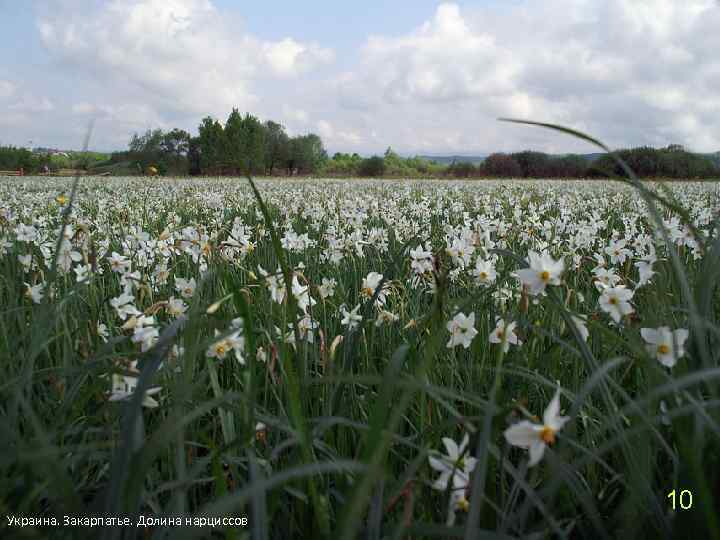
{"x": 536, "y": 437}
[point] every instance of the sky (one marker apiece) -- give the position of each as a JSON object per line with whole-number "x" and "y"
{"x": 421, "y": 76}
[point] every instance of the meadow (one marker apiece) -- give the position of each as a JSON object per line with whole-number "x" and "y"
{"x": 360, "y": 359}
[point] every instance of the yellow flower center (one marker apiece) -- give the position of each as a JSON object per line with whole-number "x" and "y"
{"x": 463, "y": 504}
{"x": 367, "y": 291}
{"x": 500, "y": 333}
{"x": 663, "y": 348}
{"x": 483, "y": 275}
{"x": 220, "y": 349}
{"x": 545, "y": 275}
{"x": 547, "y": 435}
{"x": 61, "y": 199}
{"x": 613, "y": 300}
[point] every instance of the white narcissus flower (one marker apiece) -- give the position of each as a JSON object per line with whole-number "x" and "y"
{"x": 370, "y": 283}
{"x": 102, "y": 331}
{"x": 119, "y": 263}
{"x": 484, "y": 272}
{"x": 615, "y": 301}
{"x": 327, "y": 288}
{"x": 664, "y": 344}
{"x": 351, "y": 319}
{"x": 302, "y": 295}
{"x": 543, "y": 271}
{"x": 124, "y": 307}
{"x": 462, "y": 330}
{"x": 535, "y": 437}
{"x": 175, "y": 307}
{"x": 504, "y": 334}
{"x": 123, "y": 387}
{"x": 186, "y": 287}
{"x": 35, "y": 292}
{"x": 455, "y": 467}
{"x": 219, "y": 349}
{"x": 82, "y": 272}
{"x": 369, "y": 286}
{"x": 26, "y": 262}
{"x": 385, "y": 317}
{"x": 617, "y": 251}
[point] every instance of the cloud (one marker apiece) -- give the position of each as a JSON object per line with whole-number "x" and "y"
{"x": 630, "y": 72}
{"x": 7, "y": 89}
{"x": 179, "y": 56}
{"x": 289, "y": 57}
{"x": 31, "y": 104}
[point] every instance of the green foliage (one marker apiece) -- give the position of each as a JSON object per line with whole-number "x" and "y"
{"x": 395, "y": 166}
{"x": 13, "y": 159}
{"x": 463, "y": 169}
{"x": 372, "y": 166}
{"x": 671, "y": 162}
{"x": 501, "y": 166}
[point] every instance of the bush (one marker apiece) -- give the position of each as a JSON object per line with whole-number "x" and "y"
{"x": 372, "y": 166}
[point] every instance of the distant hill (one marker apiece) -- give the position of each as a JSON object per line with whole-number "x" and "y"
{"x": 447, "y": 160}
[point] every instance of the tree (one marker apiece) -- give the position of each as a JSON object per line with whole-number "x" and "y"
{"x": 193, "y": 156}
{"x": 175, "y": 143}
{"x": 532, "y": 164}
{"x": 307, "y": 153}
{"x": 234, "y": 149}
{"x": 463, "y": 169}
{"x": 277, "y": 145}
{"x": 501, "y": 166}
{"x": 211, "y": 144}
{"x": 372, "y": 166}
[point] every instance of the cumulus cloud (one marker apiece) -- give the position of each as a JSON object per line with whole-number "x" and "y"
{"x": 631, "y": 72}
{"x": 289, "y": 57}
{"x": 179, "y": 56}
{"x": 641, "y": 72}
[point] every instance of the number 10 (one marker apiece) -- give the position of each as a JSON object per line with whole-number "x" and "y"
{"x": 685, "y": 499}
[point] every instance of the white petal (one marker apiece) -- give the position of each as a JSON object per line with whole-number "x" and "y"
{"x": 442, "y": 482}
{"x": 522, "y": 434}
{"x": 649, "y": 335}
{"x": 553, "y": 409}
{"x": 537, "y": 449}
{"x": 464, "y": 443}
{"x": 451, "y": 447}
{"x": 438, "y": 464}
{"x": 681, "y": 335}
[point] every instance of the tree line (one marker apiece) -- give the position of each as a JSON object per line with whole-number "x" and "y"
{"x": 672, "y": 161}
{"x": 242, "y": 145}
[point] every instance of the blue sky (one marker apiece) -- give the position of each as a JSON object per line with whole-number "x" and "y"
{"x": 422, "y": 76}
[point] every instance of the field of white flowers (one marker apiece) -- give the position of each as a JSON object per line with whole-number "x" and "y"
{"x": 367, "y": 359}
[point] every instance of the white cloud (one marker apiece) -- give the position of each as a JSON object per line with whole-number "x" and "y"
{"x": 630, "y": 72}
{"x": 290, "y": 58}
{"x": 31, "y": 104}
{"x": 640, "y": 72}
{"x": 180, "y": 56}
{"x": 7, "y": 89}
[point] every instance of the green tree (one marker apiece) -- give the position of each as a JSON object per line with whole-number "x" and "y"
{"x": 307, "y": 154}
{"x": 372, "y": 166}
{"x": 277, "y": 145}
{"x": 211, "y": 146}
